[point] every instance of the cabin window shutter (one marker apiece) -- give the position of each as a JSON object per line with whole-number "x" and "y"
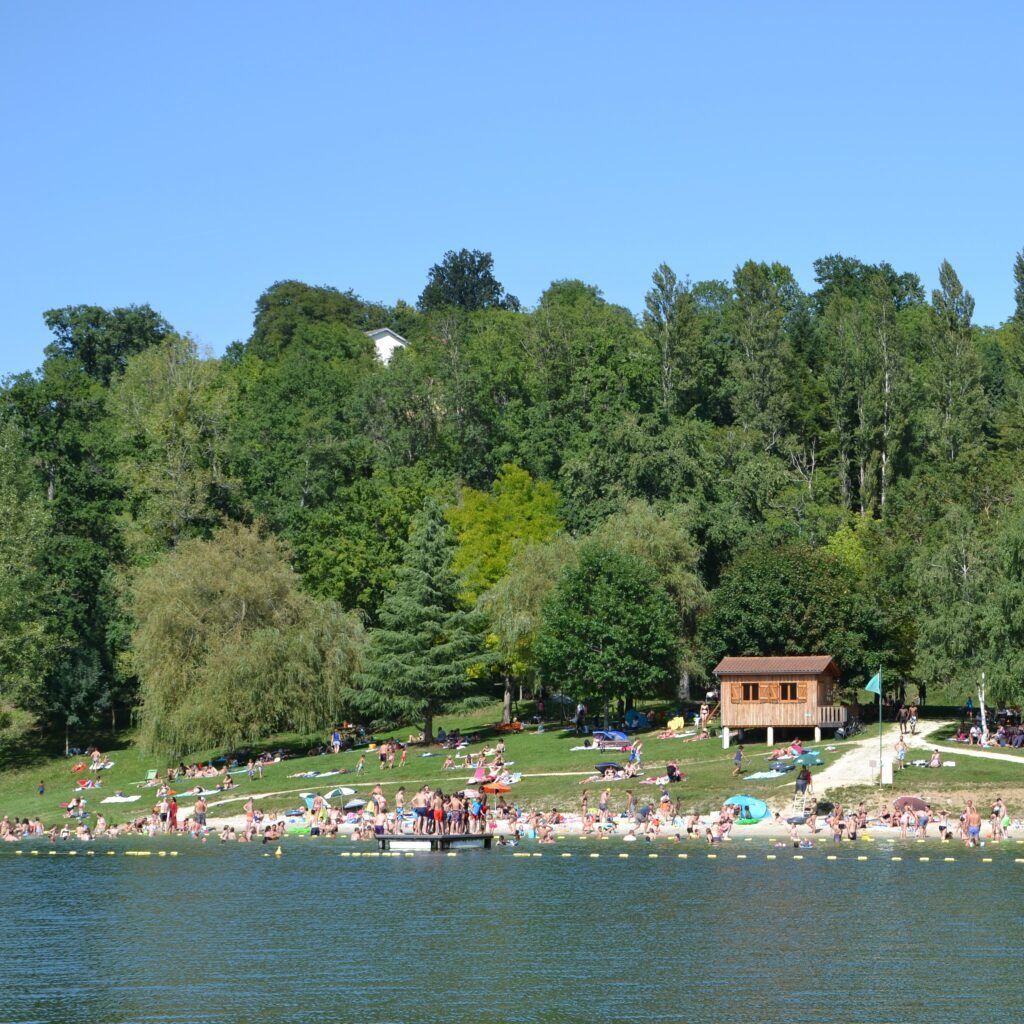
{"x": 770, "y": 692}
{"x": 737, "y": 693}
{"x": 801, "y": 692}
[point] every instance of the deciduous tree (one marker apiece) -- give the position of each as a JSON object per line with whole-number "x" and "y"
{"x": 465, "y": 279}
{"x": 491, "y": 527}
{"x": 609, "y": 629}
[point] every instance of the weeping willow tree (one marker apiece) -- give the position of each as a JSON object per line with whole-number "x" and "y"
{"x": 515, "y": 607}
{"x": 227, "y": 650}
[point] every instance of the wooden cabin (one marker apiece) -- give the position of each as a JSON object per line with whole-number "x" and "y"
{"x": 794, "y": 692}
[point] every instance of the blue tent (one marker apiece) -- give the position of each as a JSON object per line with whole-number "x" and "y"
{"x": 750, "y": 807}
{"x": 636, "y": 719}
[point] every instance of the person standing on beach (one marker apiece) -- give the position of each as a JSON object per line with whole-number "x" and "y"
{"x": 972, "y": 819}
{"x": 996, "y": 819}
{"x": 901, "y": 753}
{"x": 419, "y": 810}
{"x": 602, "y": 805}
{"x": 923, "y": 817}
{"x": 630, "y": 805}
{"x": 835, "y": 822}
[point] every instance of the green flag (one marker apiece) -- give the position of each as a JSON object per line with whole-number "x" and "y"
{"x": 875, "y": 686}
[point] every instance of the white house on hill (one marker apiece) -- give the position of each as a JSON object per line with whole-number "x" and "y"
{"x": 386, "y": 341}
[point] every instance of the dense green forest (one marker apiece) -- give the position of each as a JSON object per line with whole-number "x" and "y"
{"x": 571, "y": 496}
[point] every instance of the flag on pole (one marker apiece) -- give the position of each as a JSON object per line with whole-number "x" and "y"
{"x": 875, "y": 685}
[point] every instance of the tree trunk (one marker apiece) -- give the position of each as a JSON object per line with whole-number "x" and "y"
{"x": 428, "y": 727}
{"x": 684, "y": 685}
{"x": 981, "y": 706}
{"x": 506, "y": 704}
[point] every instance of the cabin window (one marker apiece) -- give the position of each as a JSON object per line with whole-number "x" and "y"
{"x": 751, "y": 691}
{"x": 787, "y": 691}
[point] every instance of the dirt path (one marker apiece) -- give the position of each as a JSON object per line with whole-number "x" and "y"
{"x": 855, "y": 767}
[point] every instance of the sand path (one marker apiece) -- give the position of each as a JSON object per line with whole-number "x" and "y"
{"x": 858, "y": 765}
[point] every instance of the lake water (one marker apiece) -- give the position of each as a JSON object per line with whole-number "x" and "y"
{"x": 225, "y": 934}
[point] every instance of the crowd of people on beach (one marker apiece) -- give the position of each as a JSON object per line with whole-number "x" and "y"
{"x": 464, "y": 809}
{"x": 431, "y": 811}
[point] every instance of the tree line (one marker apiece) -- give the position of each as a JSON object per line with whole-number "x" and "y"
{"x": 569, "y": 496}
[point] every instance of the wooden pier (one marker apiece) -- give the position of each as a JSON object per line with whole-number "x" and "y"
{"x": 426, "y": 841}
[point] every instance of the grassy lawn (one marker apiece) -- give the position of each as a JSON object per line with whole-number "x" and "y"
{"x": 554, "y": 774}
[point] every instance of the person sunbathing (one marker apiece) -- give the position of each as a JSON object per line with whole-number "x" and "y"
{"x": 935, "y": 761}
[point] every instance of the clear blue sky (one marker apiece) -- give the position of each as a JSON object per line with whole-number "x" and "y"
{"x": 189, "y": 154}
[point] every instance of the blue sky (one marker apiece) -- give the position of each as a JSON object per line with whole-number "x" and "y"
{"x": 188, "y": 155}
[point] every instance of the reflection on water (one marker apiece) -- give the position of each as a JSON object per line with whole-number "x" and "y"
{"x": 224, "y": 934}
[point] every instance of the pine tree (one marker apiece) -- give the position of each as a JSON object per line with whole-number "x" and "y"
{"x": 418, "y": 662}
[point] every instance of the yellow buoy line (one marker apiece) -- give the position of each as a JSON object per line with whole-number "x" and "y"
{"x": 706, "y": 855}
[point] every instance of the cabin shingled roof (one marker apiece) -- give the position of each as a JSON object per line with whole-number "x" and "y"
{"x": 793, "y": 665}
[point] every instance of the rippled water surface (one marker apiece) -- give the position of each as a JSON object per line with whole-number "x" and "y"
{"x": 228, "y": 934}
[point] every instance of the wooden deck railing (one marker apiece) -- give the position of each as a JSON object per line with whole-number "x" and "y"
{"x": 833, "y": 714}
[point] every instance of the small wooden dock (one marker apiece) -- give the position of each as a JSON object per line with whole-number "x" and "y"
{"x": 426, "y": 841}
